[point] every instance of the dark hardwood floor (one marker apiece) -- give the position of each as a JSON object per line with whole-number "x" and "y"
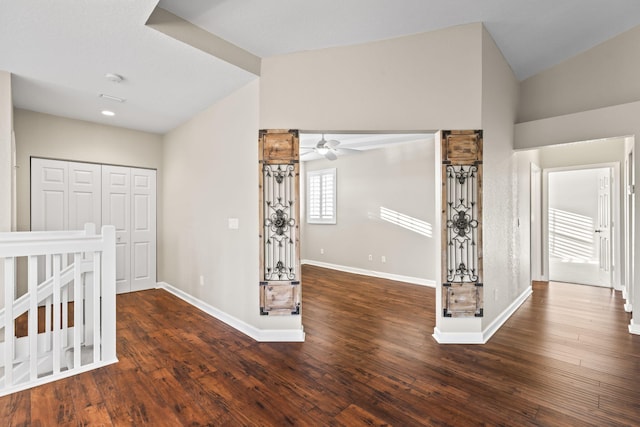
{"x": 564, "y": 359}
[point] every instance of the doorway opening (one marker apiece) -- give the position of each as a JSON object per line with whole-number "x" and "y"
{"x": 579, "y": 225}
{"x": 384, "y": 187}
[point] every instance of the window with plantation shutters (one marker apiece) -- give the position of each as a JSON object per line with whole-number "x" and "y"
{"x": 321, "y": 196}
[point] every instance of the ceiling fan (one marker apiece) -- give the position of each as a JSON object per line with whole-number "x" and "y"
{"x": 329, "y": 148}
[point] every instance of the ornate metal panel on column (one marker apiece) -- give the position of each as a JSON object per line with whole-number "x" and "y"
{"x": 279, "y": 222}
{"x": 462, "y": 294}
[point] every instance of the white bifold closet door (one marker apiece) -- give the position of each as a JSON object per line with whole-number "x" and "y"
{"x": 128, "y": 203}
{"x": 66, "y": 195}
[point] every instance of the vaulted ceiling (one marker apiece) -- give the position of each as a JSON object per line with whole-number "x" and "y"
{"x": 59, "y": 52}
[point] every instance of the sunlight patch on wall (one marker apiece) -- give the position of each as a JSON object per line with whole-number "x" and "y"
{"x": 571, "y": 236}
{"x": 405, "y": 221}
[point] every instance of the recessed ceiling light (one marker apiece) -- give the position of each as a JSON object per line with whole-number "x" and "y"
{"x": 108, "y": 113}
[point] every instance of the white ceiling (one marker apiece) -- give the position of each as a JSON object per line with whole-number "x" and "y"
{"x": 59, "y": 51}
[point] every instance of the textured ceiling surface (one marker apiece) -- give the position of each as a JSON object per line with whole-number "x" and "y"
{"x": 59, "y": 51}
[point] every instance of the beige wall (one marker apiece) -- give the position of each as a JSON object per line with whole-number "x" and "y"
{"x": 502, "y": 284}
{"x": 211, "y": 175}
{"x": 603, "y": 76}
{"x": 400, "y": 178}
{"x": 420, "y": 82}
{"x": 449, "y": 79}
{"x": 583, "y": 153}
{"x": 44, "y": 135}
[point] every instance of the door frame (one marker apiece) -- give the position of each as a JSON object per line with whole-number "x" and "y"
{"x": 536, "y": 240}
{"x": 628, "y": 218}
{"x": 617, "y": 222}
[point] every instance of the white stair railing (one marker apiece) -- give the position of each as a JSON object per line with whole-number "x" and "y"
{"x": 45, "y": 272}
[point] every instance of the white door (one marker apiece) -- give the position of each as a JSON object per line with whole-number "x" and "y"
{"x": 603, "y": 230}
{"x": 49, "y": 195}
{"x": 116, "y": 211}
{"x": 66, "y": 195}
{"x": 143, "y": 229}
{"x": 85, "y": 198}
{"x": 579, "y": 206}
{"x": 129, "y": 204}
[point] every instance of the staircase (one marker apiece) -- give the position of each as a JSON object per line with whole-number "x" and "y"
{"x": 45, "y": 272}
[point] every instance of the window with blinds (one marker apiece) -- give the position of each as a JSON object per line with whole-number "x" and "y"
{"x": 321, "y": 196}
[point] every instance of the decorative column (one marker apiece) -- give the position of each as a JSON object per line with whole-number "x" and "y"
{"x": 462, "y": 294}
{"x": 279, "y": 222}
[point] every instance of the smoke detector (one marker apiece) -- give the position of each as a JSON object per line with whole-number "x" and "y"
{"x": 115, "y": 78}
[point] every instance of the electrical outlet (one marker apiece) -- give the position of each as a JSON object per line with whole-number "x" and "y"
{"x": 201, "y": 280}
{"x": 321, "y": 251}
{"x": 370, "y": 257}
{"x": 383, "y": 259}
{"x": 495, "y": 294}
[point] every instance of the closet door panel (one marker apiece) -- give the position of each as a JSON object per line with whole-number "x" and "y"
{"x": 66, "y": 195}
{"x": 85, "y": 192}
{"x": 143, "y": 229}
{"x": 116, "y": 211}
{"x": 49, "y": 195}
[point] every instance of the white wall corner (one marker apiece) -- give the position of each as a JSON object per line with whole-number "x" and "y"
{"x": 482, "y": 337}
{"x": 260, "y": 335}
{"x": 634, "y": 328}
{"x": 372, "y": 273}
{"x": 506, "y": 314}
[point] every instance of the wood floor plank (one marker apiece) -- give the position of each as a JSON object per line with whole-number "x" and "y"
{"x": 565, "y": 358}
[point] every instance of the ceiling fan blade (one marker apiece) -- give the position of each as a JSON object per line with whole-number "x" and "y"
{"x": 333, "y": 143}
{"x": 330, "y": 154}
{"x": 309, "y": 151}
{"x": 349, "y": 150}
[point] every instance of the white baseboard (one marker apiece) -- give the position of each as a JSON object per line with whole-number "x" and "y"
{"x": 634, "y": 328}
{"x": 484, "y": 336}
{"x": 506, "y": 314}
{"x": 261, "y": 335}
{"x": 364, "y": 272}
{"x": 457, "y": 337}
{"x": 628, "y": 307}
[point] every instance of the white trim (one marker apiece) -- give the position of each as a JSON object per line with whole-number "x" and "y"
{"x": 457, "y": 337}
{"x": 506, "y": 314}
{"x": 484, "y": 336}
{"x": 380, "y": 274}
{"x": 261, "y": 335}
{"x": 628, "y": 307}
{"x": 634, "y": 328}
